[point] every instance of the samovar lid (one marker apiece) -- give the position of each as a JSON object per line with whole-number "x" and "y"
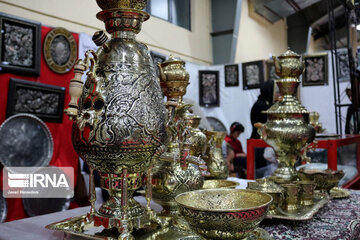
{"x": 172, "y": 60}
{"x": 289, "y": 54}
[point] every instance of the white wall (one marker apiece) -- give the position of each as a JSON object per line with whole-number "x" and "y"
{"x": 159, "y": 35}
{"x": 258, "y": 38}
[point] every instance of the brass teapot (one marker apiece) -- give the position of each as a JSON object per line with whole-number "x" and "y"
{"x": 288, "y": 65}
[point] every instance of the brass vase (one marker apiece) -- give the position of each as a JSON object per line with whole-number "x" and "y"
{"x": 215, "y": 161}
{"x": 287, "y": 128}
{"x": 118, "y": 115}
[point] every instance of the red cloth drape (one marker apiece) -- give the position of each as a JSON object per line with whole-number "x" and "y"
{"x": 64, "y": 153}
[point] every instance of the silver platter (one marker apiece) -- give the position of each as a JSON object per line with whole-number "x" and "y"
{"x": 25, "y": 142}
{"x": 3, "y": 208}
{"x": 216, "y": 124}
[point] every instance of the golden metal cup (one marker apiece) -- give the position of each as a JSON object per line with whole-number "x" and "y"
{"x": 291, "y": 199}
{"x": 306, "y": 192}
{"x": 224, "y": 213}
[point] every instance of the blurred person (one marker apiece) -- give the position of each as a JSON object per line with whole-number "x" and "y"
{"x": 263, "y": 103}
{"x": 236, "y": 158}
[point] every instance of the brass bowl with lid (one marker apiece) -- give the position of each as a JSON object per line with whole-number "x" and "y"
{"x": 324, "y": 179}
{"x": 224, "y": 213}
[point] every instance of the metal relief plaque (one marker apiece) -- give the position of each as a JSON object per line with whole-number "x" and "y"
{"x": 42, "y": 100}
{"x": 19, "y": 45}
{"x": 60, "y": 50}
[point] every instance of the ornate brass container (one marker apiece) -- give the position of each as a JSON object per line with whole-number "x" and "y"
{"x": 274, "y": 190}
{"x": 197, "y": 137}
{"x": 119, "y": 120}
{"x": 314, "y": 120}
{"x": 215, "y": 161}
{"x": 219, "y": 183}
{"x": 180, "y": 168}
{"x": 325, "y": 180}
{"x": 224, "y": 213}
{"x": 287, "y": 129}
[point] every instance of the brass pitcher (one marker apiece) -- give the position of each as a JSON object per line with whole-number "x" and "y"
{"x": 287, "y": 129}
{"x": 215, "y": 161}
{"x": 119, "y": 115}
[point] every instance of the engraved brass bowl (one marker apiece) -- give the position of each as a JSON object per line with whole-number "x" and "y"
{"x": 324, "y": 179}
{"x": 224, "y": 213}
{"x": 219, "y": 183}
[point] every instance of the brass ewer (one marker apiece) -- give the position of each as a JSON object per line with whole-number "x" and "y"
{"x": 214, "y": 159}
{"x": 287, "y": 128}
{"x": 118, "y": 117}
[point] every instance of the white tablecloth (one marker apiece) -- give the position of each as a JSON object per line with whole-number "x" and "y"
{"x": 34, "y": 228}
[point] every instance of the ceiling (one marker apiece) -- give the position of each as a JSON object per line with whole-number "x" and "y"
{"x": 302, "y": 14}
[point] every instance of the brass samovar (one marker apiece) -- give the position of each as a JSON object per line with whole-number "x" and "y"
{"x": 287, "y": 129}
{"x": 118, "y": 116}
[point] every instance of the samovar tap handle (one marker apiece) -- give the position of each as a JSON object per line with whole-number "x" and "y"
{"x": 75, "y": 89}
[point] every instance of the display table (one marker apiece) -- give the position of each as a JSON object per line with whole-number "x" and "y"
{"x": 339, "y": 219}
{"x": 331, "y": 144}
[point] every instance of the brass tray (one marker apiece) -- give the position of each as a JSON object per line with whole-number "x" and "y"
{"x": 338, "y": 193}
{"x": 71, "y": 229}
{"x": 303, "y": 214}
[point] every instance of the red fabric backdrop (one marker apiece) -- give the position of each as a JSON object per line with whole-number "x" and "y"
{"x": 64, "y": 154}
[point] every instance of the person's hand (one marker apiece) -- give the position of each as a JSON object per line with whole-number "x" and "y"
{"x": 240, "y": 155}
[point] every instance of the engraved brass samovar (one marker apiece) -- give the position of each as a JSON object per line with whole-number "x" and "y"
{"x": 118, "y": 116}
{"x": 287, "y": 129}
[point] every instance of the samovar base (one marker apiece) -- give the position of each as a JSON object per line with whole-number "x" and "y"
{"x": 286, "y": 173}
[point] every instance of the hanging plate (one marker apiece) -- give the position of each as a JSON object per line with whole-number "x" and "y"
{"x": 216, "y": 124}
{"x": 3, "y": 208}
{"x": 25, "y": 142}
{"x": 60, "y": 51}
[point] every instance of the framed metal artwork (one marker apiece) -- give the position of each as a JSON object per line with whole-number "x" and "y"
{"x": 209, "y": 88}
{"x": 344, "y": 66}
{"x": 270, "y": 73}
{"x": 42, "y": 100}
{"x": 60, "y": 50}
{"x": 231, "y": 75}
{"x": 316, "y": 70}
{"x": 253, "y": 74}
{"x": 20, "y": 43}
{"x": 157, "y": 58}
